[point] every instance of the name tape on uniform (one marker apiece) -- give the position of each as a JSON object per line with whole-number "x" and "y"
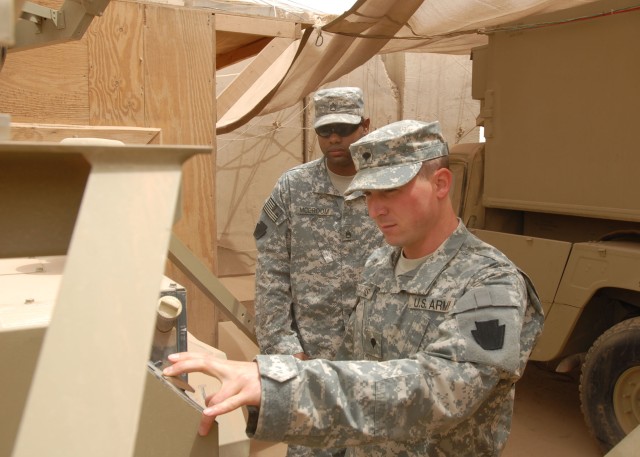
{"x": 424, "y": 303}
{"x": 310, "y": 210}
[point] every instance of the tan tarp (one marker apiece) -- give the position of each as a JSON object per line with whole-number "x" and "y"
{"x": 371, "y": 27}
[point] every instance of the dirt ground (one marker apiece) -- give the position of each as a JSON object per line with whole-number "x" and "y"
{"x": 547, "y": 421}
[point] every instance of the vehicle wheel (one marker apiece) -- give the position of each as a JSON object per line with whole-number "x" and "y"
{"x": 610, "y": 384}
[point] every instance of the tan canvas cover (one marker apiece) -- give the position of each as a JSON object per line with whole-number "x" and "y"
{"x": 325, "y": 53}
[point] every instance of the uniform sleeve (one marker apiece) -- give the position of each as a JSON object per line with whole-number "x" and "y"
{"x": 350, "y": 403}
{"x": 320, "y": 403}
{"x": 274, "y": 321}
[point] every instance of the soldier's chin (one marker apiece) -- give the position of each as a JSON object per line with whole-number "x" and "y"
{"x": 391, "y": 240}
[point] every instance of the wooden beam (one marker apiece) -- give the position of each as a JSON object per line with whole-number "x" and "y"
{"x": 272, "y": 27}
{"x": 244, "y": 52}
{"x": 57, "y": 132}
{"x": 180, "y": 92}
{"x": 250, "y": 74}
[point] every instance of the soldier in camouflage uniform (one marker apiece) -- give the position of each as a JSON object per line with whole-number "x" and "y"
{"x": 442, "y": 330}
{"x": 313, "y": 242}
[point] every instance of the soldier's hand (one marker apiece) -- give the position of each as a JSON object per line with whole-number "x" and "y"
{"x": 240, "y": 383}
{"x": 301, "y": 356}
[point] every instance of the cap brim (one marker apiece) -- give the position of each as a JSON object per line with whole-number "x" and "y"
{"x": 383, "y": 178}
{"x": 337, "y": 119}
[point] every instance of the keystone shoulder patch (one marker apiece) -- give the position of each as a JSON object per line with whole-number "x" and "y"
{"x": 489, "y": 334}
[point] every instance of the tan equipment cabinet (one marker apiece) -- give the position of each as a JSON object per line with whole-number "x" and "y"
{"x": 78, "y": 385}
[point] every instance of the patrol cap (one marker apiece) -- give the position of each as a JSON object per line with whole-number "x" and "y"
{"x": 339, "y": 105}
{"x": 392, "y": 155}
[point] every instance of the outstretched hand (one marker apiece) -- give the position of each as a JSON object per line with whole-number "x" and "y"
{"x": 240, "y": 383}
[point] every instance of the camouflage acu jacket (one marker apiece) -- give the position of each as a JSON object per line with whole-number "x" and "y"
{"x": 434, "y": 355}
{"x": 312, "y": 244}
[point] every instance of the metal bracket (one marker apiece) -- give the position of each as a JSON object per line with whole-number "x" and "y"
{"x": 40, "y": 25}
{"x": 37, "y": 14}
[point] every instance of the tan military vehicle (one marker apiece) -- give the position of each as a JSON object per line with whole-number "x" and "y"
{"x": 556, "y": 187}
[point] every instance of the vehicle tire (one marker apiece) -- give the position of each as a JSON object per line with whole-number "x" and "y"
{"x": 610, "y": 384}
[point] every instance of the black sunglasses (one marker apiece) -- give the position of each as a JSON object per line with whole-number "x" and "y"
{"x": 339, "y": 129}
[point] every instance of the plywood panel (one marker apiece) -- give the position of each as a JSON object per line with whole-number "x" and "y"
{"x": 116, "y": 76}
{"x": 179, "y": 73}
{"x": 47, "y": 84}
{"x": 180, "y": 99}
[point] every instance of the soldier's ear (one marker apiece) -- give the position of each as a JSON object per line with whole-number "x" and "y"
{"x": 442, "y": 179}
{"x": 365, "y": 125}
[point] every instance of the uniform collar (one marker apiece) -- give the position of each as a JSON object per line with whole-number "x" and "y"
{"x": 321, "y": 183}
{"x": 413, "y": 281}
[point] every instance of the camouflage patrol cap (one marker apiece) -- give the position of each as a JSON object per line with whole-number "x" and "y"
{"x": 391, "y": 156}
{"x": 339, "y": 105}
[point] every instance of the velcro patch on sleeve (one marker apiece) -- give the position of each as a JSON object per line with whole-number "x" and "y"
{"x": 260, "y": 230}
{"x": 490, "y": 323}
{"x": 272, "y": 210}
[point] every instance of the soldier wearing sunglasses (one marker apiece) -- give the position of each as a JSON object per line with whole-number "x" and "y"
{"x": 313, "y": 241}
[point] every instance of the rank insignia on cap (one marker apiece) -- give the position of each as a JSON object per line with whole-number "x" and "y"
{"x": 333, "y": 107}
{"x": 489, "y": 335}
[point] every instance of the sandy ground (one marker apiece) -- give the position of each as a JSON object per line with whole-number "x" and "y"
{"x": 547, "y": 421}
